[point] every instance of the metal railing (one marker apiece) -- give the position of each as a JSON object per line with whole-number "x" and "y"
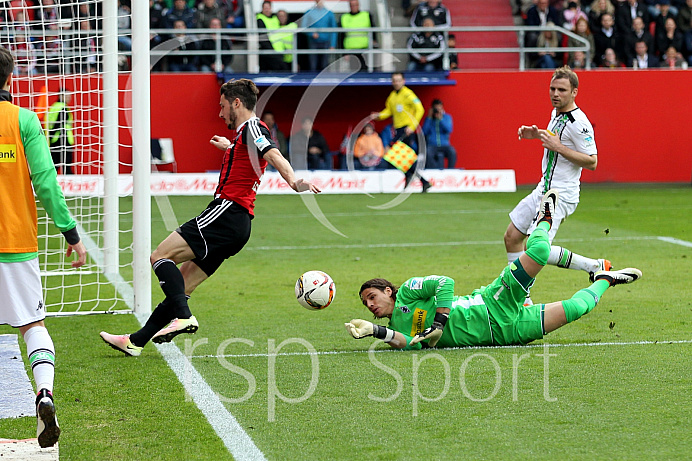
{"x": 245, "y": 42}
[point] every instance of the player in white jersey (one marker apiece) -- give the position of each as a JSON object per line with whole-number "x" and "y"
{"x": 568, "y": 146}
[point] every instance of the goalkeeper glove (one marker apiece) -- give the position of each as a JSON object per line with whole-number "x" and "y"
{"x": 433, "y": 333}
{"x": 359, "y": 328}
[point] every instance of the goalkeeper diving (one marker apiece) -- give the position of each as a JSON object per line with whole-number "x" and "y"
{"x": 424, "y": 312}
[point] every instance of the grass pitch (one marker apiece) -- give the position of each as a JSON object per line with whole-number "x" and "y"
{"x": 612, "y": 385}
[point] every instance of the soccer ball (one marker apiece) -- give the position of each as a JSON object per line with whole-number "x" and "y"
{"x": 315, "y": 290}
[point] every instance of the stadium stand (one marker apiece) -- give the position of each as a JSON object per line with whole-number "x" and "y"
{"x": 484, "y": 13}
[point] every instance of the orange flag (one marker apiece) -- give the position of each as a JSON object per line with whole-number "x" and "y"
{"x": 401, "y": 155}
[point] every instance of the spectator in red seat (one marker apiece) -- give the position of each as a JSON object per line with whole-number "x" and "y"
{"x": 642, "y": 58}
{"x": 610, "y": 60}
{"x": 670, "y": 36}
{"x": 582, "y": 29}
{"x": 663, "y": 6}
{"x": 672, "y": 59}
{"x": 606, "y": 37}
{"x": 431, "y": 9}
{"x": 424, "y": 60}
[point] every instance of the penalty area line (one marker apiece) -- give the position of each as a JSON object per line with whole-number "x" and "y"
{"x": 527, "y": 346}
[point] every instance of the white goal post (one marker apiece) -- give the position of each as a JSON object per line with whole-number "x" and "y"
{"x": 73, "y": 69}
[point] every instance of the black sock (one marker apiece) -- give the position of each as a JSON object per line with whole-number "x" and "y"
{"x": 158, "y": 319}
{"x": 173, "y": 286}
{"x": 183, "y": 311}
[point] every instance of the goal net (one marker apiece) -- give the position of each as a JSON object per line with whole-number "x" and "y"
{"x": 69, "y": 71}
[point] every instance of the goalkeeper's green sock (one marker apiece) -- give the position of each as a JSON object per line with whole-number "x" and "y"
{"x": 538, "y": 244}
{"x": 584, "y": 300}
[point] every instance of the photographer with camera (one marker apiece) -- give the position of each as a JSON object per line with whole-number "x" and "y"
{"x": 437, "y": 128}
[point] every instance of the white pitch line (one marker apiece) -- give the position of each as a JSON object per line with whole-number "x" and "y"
{"x": 594, "y": 344}
{"x": 676, "y": 241}
{"x": 231, "y": 433}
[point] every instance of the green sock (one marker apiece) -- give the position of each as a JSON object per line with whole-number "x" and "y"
{"x": 538, "y": 244}
{"x": 584, "y": 300}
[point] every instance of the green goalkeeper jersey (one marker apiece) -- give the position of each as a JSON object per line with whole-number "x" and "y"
{"x": 417, "y": 301}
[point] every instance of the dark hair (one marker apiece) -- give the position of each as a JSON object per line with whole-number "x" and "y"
{"x": 243, "y": 89}
{"x": 436, "y": 102}
{"x": 398, "y": 73}
{"x": 6, "y": 64}
{"x": 379, "y": 284}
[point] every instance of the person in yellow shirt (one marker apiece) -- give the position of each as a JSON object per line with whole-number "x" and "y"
{"x": 406, "y": 111}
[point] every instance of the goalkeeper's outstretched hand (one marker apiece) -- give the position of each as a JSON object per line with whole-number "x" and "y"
{"x": 433, "y": 334}
{"x": 359, "y": 328}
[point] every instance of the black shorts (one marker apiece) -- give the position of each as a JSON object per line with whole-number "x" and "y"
{"x": 218, "y": 233}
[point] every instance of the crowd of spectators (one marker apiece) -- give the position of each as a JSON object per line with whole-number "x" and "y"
{"x": 49, "y": 37}
{"x": 621, "y": 33}
{"x": 192, "y": 49}
{"x": 640, "y": 34}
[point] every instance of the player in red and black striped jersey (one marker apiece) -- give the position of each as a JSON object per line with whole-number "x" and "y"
{"x": 220, "y": 231}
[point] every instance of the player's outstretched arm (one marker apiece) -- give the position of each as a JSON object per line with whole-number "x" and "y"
{"x": 359, "y": 329}
{"x": 275, "y": 159}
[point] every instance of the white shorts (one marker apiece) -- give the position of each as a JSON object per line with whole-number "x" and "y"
{"x": 523, "y": 216}
{"x": 21, "y": 294}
